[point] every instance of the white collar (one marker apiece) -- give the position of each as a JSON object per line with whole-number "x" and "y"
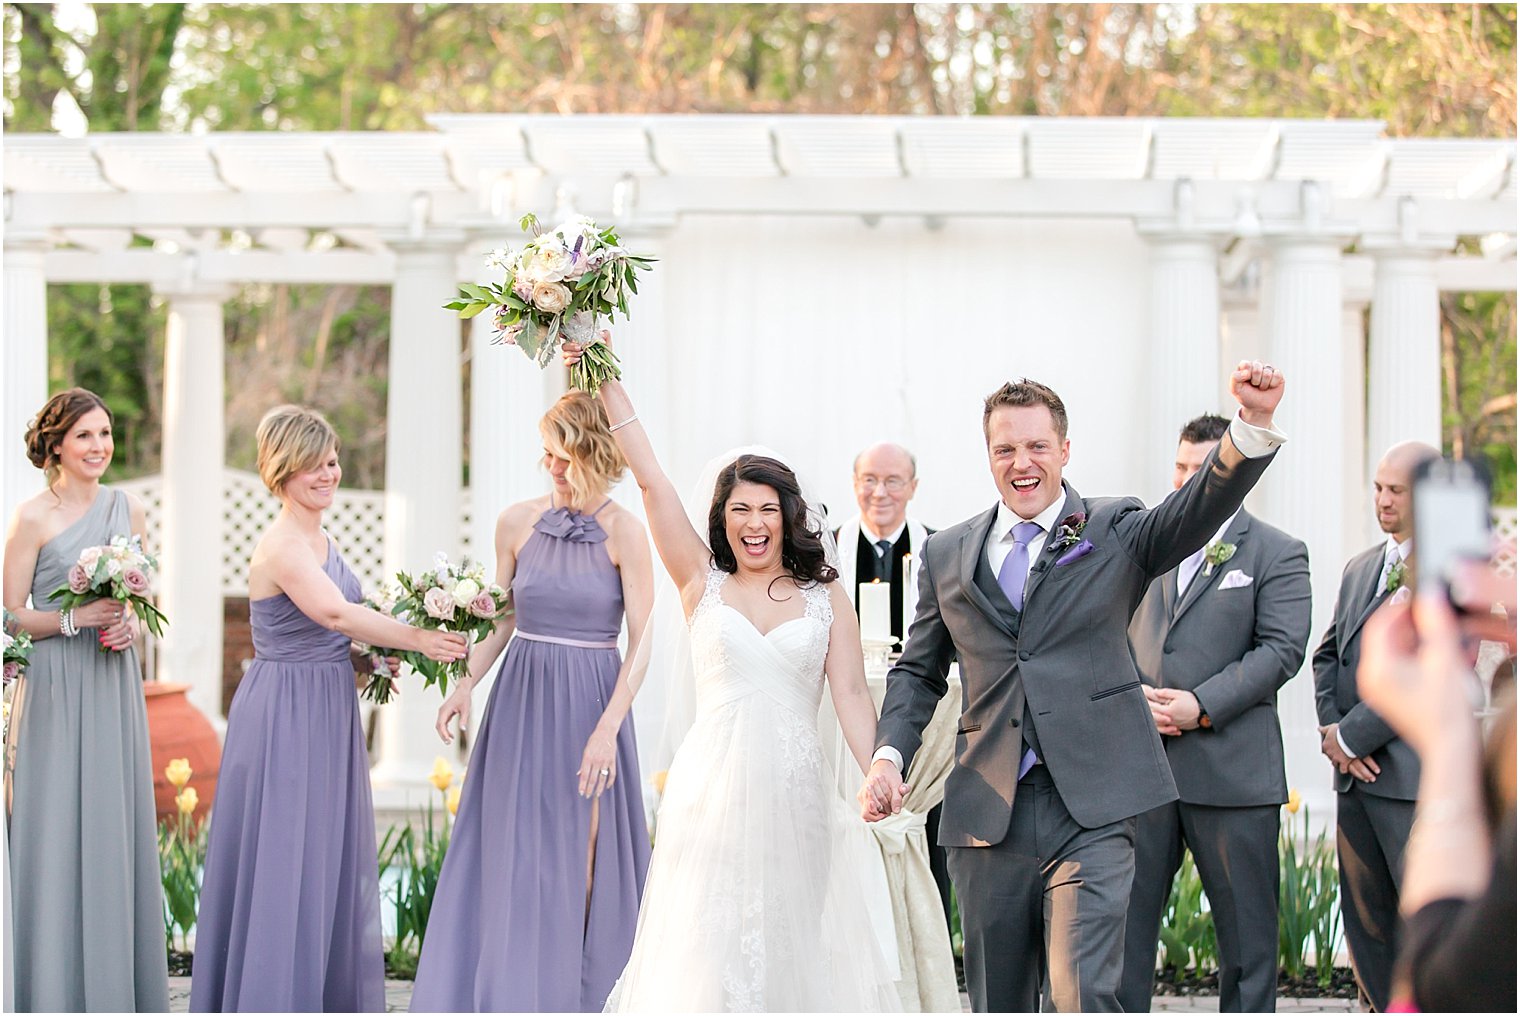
{"x": 1402, "y": 547}
{"x": 865, "y": 530}
{"x": 1046, "y": 520}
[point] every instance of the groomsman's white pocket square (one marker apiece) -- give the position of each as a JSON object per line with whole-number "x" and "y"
{"x": 1236, "y": 579}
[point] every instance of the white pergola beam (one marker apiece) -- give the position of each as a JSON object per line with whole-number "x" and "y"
{"x": 150, "y": 267}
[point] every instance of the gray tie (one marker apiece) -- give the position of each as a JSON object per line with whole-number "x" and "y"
{"x": 884, "y": 560}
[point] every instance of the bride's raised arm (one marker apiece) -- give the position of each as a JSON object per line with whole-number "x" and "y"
{"x": 681, "y": 549}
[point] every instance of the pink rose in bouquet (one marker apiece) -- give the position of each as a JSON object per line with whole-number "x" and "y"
{"x": 438, "y": 603}
{"x": 136, "y": 581}
{"x": 79, "y": 579}
{"x": 484, "y": 605}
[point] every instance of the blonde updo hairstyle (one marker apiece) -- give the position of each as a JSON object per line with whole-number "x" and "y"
{"x": 292, "y": 439}
{"x": 48, "y": 429}
{"x": 576, "y": 428}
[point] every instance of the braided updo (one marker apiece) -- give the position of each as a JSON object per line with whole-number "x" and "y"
{"x": 48, "y": 429}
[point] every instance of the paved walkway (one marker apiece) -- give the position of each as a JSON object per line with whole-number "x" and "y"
{"x": 399, "y": 993}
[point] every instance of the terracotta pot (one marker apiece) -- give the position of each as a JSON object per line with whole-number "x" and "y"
{"x": 176, "y": 729}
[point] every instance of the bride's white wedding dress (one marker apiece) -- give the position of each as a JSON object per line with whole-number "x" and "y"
{"x": 750, "y": 903}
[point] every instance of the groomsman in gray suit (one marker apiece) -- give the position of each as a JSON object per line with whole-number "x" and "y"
{"x": 1377, "y": 775}
{"x": 1056, "y": 750}
{"x": 1215, "y": 638}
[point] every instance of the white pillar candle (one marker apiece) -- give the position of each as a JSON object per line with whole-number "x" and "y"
{"x": 907, "y": 574}
{"x": 876, "y": 611}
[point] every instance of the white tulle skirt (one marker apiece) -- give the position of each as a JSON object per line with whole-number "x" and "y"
{"x": 757, "y": 899}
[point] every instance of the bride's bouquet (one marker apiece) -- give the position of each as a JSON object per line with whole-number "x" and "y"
{"x": 447, "y": 597}
{"x": 120, "y": 570}
{"x": 556, "y": 287}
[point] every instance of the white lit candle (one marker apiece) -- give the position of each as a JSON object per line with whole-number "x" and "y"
{"x": 876, "y": 611}
{"x": 907, "y": 586}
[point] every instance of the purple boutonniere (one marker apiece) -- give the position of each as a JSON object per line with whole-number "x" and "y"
{"x": 1069, "y": 541}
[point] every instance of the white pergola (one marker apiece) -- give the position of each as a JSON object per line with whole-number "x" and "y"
{"x": 1149, "y": 251}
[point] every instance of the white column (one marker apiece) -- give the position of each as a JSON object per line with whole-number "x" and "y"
{"x": 1404, "y": 352}
{"x": 1303, "y": 489}
{"x": 424, "y": 432}
{"x": 194, "y": 446}
{"x": 25, "y": 359}
{"x": 1184, "y": 347}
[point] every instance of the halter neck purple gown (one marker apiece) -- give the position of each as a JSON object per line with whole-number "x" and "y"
{"x": 510, "y": 930}
{"x": 290, "y": 903}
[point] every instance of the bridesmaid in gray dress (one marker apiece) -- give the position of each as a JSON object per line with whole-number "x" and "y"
{"x": 86, "y": 898}
{"x": 539, "y": 895}
{"x": 290, "y": 904}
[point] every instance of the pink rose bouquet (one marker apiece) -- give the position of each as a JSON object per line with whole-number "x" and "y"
{"x": 17, "y": 645}
{"x": 556, "y": 287}
{"x": 120, "y": 570}
{"x": 447, "y": 597}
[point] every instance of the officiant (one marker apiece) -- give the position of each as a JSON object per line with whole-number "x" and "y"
{"x": 881, "y": 544}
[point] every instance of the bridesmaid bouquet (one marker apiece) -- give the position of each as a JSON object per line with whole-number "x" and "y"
{"x": 381, "y": 674}
{"x": 447, "y": 597}
{"x": 120, "y": 570}
{"x": 17, "y": 645}
{"x": 555, "y": 288}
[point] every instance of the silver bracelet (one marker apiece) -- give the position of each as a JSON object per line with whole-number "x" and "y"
{"x": 66, "y": 626}
{"x": 620, "y": 426}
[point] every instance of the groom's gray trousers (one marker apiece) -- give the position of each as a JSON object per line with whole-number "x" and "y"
{"x": 1053, "y": 890}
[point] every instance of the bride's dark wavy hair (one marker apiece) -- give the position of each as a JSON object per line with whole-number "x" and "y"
{"x": 802, "y": 552}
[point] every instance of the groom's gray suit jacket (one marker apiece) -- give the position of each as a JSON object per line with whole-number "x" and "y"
{"x": 1068, "y": 656}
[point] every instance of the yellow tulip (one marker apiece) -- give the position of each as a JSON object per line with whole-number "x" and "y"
{"x": 178, "y": 772}
{"x": 453, "y": 800}
{"x": 442, "y": 774}
{"x": 1295, "y": 801}
{"x": 187, "y": 799}
{"x": 659, "y": 781}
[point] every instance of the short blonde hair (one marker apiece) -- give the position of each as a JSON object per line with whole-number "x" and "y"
{"x": 576, "y": 428}
{"x": 292, "y": 439}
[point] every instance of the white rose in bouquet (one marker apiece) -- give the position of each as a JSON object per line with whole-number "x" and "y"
{"x": 548, "y": 264}
{"x": 89, "y": 558}
{"x": 551, "y": 297}
{"x": 465, "y": 592}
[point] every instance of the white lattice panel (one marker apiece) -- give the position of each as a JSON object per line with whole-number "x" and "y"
{"x": 356, "y": 522}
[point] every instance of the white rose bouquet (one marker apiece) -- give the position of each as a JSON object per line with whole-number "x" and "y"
{"x": 120, "y": 570}
{"x": 556, "y": 287}
{"x": 447, "y": 597}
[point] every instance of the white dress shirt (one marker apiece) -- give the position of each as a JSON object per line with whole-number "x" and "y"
{"x": 1194, "y": 563}
{"x": 1251, "y": 441}
{"x": 873, "y": 539}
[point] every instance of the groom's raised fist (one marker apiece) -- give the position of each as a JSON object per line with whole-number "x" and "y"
{"x": 1258, "y": 387}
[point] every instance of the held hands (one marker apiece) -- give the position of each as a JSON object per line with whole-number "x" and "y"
{"x": 883, "y": 792}
{"x": 598, "y": 768}
{"x": 1173, "y": 709}
{"x": 102, "y": 613}
{"x": 457, "y": 704}
{"x": 121, "y": 635}
{"x": 1363, "y": 769}
{"x": 1258, "y": 387}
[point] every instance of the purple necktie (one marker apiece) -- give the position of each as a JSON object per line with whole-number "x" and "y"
{"x": 1011, "y": 578}
{"x": 1015, "y": 570}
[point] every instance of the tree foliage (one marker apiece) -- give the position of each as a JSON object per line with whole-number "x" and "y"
{"x": 1425, "y": 69}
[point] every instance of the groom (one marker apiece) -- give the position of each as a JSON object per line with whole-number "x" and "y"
{"x": 1056, "y": 751}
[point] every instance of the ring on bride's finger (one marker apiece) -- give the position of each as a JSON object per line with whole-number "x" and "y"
{"x": 606, "y": 772}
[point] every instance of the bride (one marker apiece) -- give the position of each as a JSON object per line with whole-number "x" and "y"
{"x": 749, "y": 904}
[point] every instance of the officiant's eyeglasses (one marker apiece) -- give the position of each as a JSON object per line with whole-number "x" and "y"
{"x": 894, "y": 484}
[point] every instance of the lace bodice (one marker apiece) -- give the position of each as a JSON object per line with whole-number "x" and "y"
{"x": 722, "y": 638}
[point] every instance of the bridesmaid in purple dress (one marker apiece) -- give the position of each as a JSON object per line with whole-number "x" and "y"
{"x": 290, "y": 906}
{"x": 539, "y": 895}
